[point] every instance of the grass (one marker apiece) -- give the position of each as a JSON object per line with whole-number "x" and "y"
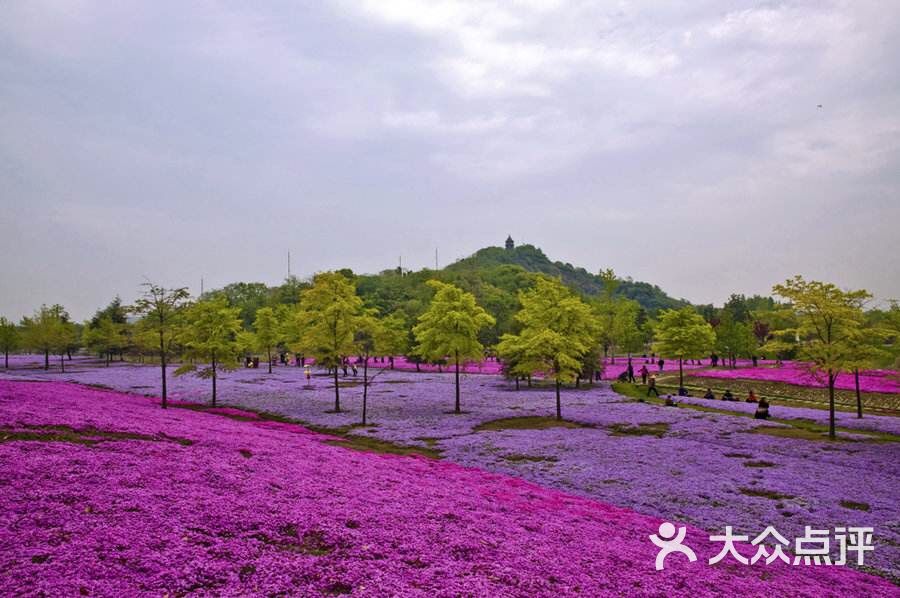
{"x": 803, "y": 429}
{"x": 762, "y": 493}
{"x": 528, "y": 423}
{"x": 758, "y": 464}
{"x": 658, "y": 429}
{"x": 374, "y": 445}
{"x": 83, "y": 436}
{"x": 518, "y": 458}
{"x": 856, "y": 506}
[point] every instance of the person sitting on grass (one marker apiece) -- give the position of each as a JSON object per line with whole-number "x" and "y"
{"x": 670, "y": 402}
{"x": 651, "y": 386}
{"x": 751, "y": 398}
{"x": 683, "y": 392}
{"x": 762, "y": 409}
{"x": 727, "y": 396}
{"x": 709, "y": 394}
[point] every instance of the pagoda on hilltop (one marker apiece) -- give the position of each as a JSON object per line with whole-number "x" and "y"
{"x": 510, "y": 244}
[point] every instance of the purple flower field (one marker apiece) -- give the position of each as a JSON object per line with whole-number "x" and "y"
{"x": 707, "y": 469}
{"x": 104, "y": 493}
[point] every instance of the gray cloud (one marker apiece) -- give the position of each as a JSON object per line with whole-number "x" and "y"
{"x": 679, "y": 144}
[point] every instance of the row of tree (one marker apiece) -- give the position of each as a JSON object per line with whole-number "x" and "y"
{"x": 554, "y": 331}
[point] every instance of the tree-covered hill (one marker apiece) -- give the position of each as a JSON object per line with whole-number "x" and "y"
{"x": 532, "y": 259}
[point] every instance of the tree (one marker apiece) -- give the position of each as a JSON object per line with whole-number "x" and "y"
{"x": 161, "y": 309}
{"x": 9, "y": 339}
{"x": 733, "y": 337}
{"x": 449, "y": 327}
{"x": 327, "y": 321}
{"x": 829, "y": 321}
{"x": 211, "y": 332}
{"x": 267, "y": 332}
{"x": 683, "y": 333}
{"x": 558, "y": 329}
{"x": 869, "y": 349}
{"x": 49, "y": 331}
{"x": 105, "y": 337}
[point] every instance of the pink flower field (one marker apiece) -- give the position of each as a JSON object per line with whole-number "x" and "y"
{"x": 104, "y": 493}
{"x": 797, "y": 373}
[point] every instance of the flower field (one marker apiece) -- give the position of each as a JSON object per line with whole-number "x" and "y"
{"x": 104, "y": 493}
{"x": 884, "y": 381}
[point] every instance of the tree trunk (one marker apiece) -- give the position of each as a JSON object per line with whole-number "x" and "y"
{"x": 529, "y": 380}
{"x": 517, "y": 383}
{"x": 831, "y": 378}
{"x": 337, "y": 392}
{"x": 46, "y": 359}
{"x": 108, "y": 358}
{"x": 680, "y": 373}
{"x": 62, "y": 363}
{"x": 558, "y": 403}
{"x": 457, "y": 382}
{"x": 214, "y": 378}
{"x": 858, "y": 395}
{"x": 269, "y": 355}
{"x": 162, "y": 362}
{"x": 6, "y": 360}
{"x": 365, "y": 386}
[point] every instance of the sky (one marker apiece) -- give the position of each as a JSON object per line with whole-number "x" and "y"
{"x": 709, "y": 147}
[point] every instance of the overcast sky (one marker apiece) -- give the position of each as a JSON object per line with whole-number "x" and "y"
{"x": 680, "y": 143}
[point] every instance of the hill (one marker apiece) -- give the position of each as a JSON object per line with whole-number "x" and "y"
{"x": 532, "y": 259}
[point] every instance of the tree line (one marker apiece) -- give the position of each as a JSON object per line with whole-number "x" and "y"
{"x": 549, "y": 329}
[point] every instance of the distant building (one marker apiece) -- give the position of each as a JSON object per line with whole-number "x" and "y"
{"x": 510, "y": 245}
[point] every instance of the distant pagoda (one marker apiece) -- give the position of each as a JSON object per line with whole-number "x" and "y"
{"x": 510, "y": 244}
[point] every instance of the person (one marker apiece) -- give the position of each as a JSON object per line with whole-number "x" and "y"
{"x": 709, "y": 394}
{"x": 307, "y": 373}
{"x": 670, "y": 402}
{"x": 752, "y": 398}
{"x": 683, "y": 392}
{"x": 661, "y": 364}
{"x": 714, "y": 359}
{"x": 630, "y": 371}
{"x": 755, "y": 361}
{"x": 762, "y": 409}
{"x": 651, "y": 386}
{"x": 644, "y": 373}
{"x": 355, "y": 371}
{"x": 727, "y": 396}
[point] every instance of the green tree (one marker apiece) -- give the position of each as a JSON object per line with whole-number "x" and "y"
{"x": 829, "y": 322}
{"x": 683, "y": 333}
{"x": 267, "y": 332}
{"x": 49, "y": 331}
{"x": 9, "y": 339}
{"x": 211, "y": 332}
{"x": 558, "y": 329}
{"x": 327, "y": 321}
{"x": 105, "y": 337}
{"x": 160, "y": 309}
{"x": 450, "y": 326}
{"x": 733, "y": 337}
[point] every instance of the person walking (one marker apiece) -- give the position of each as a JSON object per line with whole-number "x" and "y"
{"x": 651, "y": 386}
{"x": 630, "y": 371}
{"x": 644, "y": 373}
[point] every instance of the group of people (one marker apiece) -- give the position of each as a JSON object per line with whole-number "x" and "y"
{"x": 762, "y": 405}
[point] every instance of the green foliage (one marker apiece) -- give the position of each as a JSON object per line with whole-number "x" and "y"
{"x": 50, "y": 331}
{"x": 105, "y": 336}
{"x": 829, "y": 325}
{"x": 558, "y": 329}
{"x": 450, "y": 325}
{"x": 734, "y": 337}
{"x": 684, "y": 334}
{"x": 10, "y": 338}
{"x": 210, "y": 332}
{"x": 267, "y": 333}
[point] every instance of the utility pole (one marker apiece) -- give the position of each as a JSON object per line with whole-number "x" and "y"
{"x": 289, "y": 264}
{"x": 435, "y": 259}
{"x": 201, "y": 286}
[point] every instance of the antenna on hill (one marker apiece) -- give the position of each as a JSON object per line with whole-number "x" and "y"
{"x": 201, "y": 286}
{"x": 435, "y": 259}
{"x": 289, "y": 264}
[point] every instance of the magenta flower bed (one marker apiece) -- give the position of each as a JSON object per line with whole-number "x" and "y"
{"x": 197, "y": 502}
{"x": 886, "y": 381}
